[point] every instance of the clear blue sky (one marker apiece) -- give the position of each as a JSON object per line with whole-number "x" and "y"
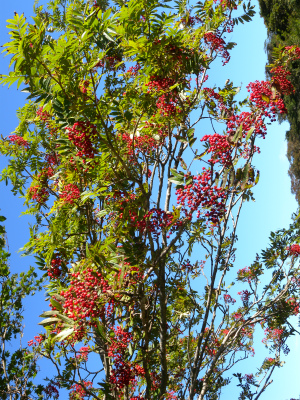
{"x": 272, "y": 209}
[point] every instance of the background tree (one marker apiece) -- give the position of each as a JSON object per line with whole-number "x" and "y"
{"x": 137, "y": 202}
{"x": 18, "y": 368}
{"x": 282, "y": 21}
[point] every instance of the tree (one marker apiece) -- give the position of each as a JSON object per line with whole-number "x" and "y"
{"x": 107, "y": 156}
{"x": 282, "y": 21}
{"x": 18, "y": 368}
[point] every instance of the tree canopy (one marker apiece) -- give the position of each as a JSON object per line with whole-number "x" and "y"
{"x": 282, "y": 21}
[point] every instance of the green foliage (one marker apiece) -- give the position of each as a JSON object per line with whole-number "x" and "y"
{"x": 282, "y": 21}
{"x": 18, "y": 368}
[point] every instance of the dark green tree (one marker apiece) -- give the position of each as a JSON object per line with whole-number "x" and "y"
{"x": 282, "y": 19}
{"x": 18, "y": 367}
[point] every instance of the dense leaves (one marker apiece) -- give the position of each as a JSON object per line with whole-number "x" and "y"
{"x": 282, "y": 20}
{"x": 17, "y": 368}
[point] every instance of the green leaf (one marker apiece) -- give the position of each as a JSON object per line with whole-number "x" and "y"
{"x": 49, "y": 321}
{"x": 176, "y": 181}
{"x": 48, "y": 313}
{"x": 257, "y": 178}
{"x": 245, "y": 176}
{"x": 63, "y": 335}
{"x": 238, "y": 134}
{"x": 249, "y": 133}
{"x": 199, "y": 156}
{"x": 56, "y": 304}
{"x": 100, "y": 330}
{"x": 177, "y": 178}
{"x": 265, "y": 98}
{"x": 102, "y": 213}
{"x": 87, "y": 250}
{"x": 183, "y": 164}
{"x": 175, "y": 173}
{"x": 224, "y": 178}
{"x": 130, "y": 349}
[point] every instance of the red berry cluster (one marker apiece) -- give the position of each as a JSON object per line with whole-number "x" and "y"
{"x": 178, "y": 55}
{"x": 136, "y": 275}
{"x": 201, "y": 194}
{"x": 211, "y": 93}
{"x": 230, "y": 25}
{"x": 212, "y": 344}
{"x": 110, "y": 63}
{"x": 273, "y": 334}
{"x": 218, "y": 45}
{"x": 39, "y": 194}
{"x": 82, "y": 299}
{"x": 225, "y": 4}
{"x": 225, "y": 332}
{"x": 294, "y": 249}
{"x": 54, "y": 271}
{"x": 83, "y": 86}
{"x": 158, "y": 129}
{"x": 38, "y": 338}
{"x": 79, "y": 392}
{"x": 131, "y": 277}
{"x": 144, "y": 144}
{"x": 70, "y": 194}
{"x": 190, "y": 21}
{"x": 171, "y": 395}
{"x": 19, "y": 141}
{"x": 270, "y": 360}
{"x": 228, "y": 299}
{"x": 237, "y": 315}
{"x": 124, "y": 372}
{"x": 51, "y": 391}
{"x": 52, "y": 159}
{"x": 292, "y": 51}
{"x": 280, "y": 81}
{"x": 167, "y": 105}
{"x": 134, "y": 70}
{"x": 121, "y": 200}
{"x": 219, "y": 147}
{"x": 249, "y": 378}
{"x": 186, "y": 266}
{"x": 158, "y": 84}
{"x": 81, "y": 135}
{"x": 266, "y": 101}
{"x": 43, "y": 115}
{"x": 294, "y": 304}
{"x": 154, "y": 221}
{"x": 246, "y": 274}
{"x": 245, "y": 295}
{"x": 83, "y": 353}
{"x": 247, "y": 120}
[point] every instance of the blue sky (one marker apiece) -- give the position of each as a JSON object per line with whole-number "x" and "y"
{"x": 272, "y": 210}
